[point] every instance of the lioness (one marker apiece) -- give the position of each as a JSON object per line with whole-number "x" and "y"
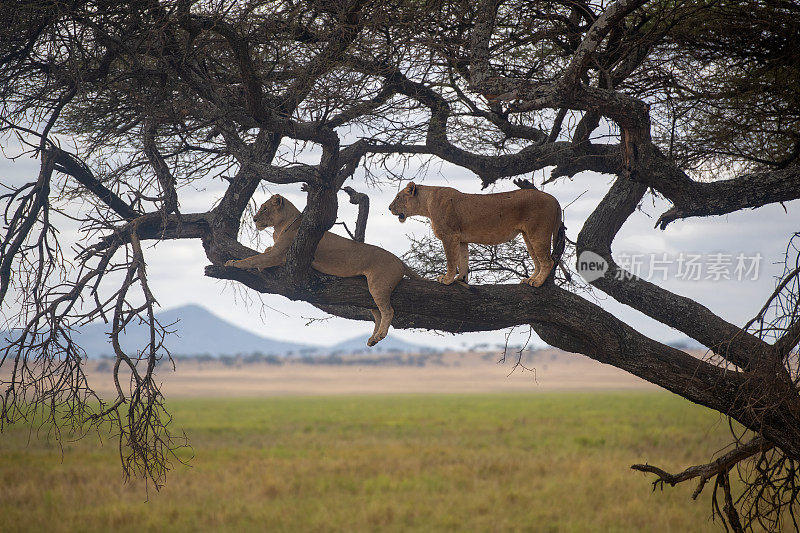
{"x": 458, "y": 219}
{"x": 335, "y": 255}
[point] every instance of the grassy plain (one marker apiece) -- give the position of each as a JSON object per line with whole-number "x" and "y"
{"x": 498, "y": 462}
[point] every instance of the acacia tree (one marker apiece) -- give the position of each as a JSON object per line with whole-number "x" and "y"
{"x": 696, "y": 102}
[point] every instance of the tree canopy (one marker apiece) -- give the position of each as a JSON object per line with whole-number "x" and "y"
{"x": 127, "y": 104}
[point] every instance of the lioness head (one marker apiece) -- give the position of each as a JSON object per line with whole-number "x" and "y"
{"x": 406, "y": 203}
{"x": 270, "y": 213}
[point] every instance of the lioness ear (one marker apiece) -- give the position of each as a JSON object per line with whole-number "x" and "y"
{"x": 411, "y": 189}
{"x": 277, "y": 200}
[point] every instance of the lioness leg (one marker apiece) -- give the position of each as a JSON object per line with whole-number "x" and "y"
{"x": 451, "y": 252}
{"x": 539, "y": 248}
{"x": 463, "y": 262}
{"x": 376, "y": 315}
{"x": 536, "y": 263}
{"x": 269, "y": 258}
{"x": 381, "y": 287}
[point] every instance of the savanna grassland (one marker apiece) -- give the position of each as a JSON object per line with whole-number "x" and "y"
{"x": 501, "y": 462}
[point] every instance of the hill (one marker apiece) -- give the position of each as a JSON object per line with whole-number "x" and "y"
{"x": 200, "y": 332}
{"x": 390, "y": 344}
{"x": 197, "y": 332}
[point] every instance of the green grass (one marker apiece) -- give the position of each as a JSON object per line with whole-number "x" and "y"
{"x": 538, "y": 462}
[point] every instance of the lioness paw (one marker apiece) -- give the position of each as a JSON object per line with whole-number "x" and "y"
{"x": 533, "y": 282}
{"x": 230, "y": 263}
{"x": 376, "y": 338}
{"x": 445, "y": 279}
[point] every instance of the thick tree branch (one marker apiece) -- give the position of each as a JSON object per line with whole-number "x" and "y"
{"x": 601, "y": 27}
{"x": 69, "y": 164}
{"x": 481, "y": 35}
{"x": 561, "y": 318}
{"x": 318, "y": 217}
{"x": 299, "y": 173}
{"x": 683, "y": 314}
{"x": 169, "y": 196}
{"x": 227, "y": 215}
{"x": 321, "y": 208}
{"x": 692, "y": 198}
{"x": 789, "y": 340}
{"x": 156, "y": 226}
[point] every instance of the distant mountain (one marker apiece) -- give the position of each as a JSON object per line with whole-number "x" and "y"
{"x": 389, "y": 344}
{"x": 200, "y": 332}
{"x": 197, "y": 332}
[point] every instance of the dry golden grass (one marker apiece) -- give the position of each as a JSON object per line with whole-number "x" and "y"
{"x": 498, "y": 462}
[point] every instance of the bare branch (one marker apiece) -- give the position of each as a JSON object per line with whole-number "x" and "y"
{"x": 362, "y": 201}
{"x": 721, "y": 465}
{"x": 31, "y": 205}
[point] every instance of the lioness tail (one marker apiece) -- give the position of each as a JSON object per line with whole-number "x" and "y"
{"x": 559, "y": 243}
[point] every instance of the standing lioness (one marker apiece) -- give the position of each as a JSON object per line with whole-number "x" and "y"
{"x": 336, "y": 256}
{"x": 458, "y": 218}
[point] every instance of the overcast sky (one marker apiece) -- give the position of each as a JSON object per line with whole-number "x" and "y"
{"x": 176, "y": 267}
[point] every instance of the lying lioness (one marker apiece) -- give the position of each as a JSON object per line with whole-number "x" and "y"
{"x": 335, "y": 255}
{"x": 458, "y": 219}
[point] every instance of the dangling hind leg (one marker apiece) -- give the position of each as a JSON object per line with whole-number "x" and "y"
{"x": 376, "y": 315}
{"x": 381, "y": 292}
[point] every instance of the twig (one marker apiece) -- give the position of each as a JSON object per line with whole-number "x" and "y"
{"x": 706, "y": 471}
